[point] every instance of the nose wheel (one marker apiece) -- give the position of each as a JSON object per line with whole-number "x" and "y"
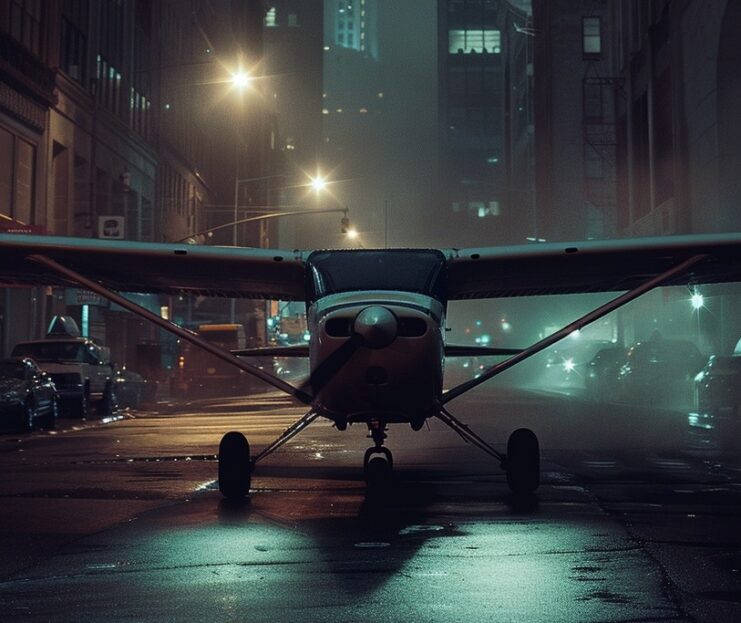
{"x": 378, "y": 462}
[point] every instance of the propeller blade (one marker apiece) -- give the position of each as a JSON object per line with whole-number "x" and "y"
{"x": 328, "y": 368}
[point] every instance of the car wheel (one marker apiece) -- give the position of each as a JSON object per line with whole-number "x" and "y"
{"x": 81, "y": 407}
{"x": 27, "y": 415}
{"x": 50, "y": 419}
{"x": 109, "y": 403}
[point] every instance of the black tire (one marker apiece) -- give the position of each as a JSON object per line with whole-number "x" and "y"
{"x": 377, "y": 472}
{"x": 50, "y": 419}
{"x": 108, "y": 403}
{"x": 25, "y": 425}
{"x": 80, "y": 407}
{"x": 235, "y": 469}
{"x": 523, "y": 461}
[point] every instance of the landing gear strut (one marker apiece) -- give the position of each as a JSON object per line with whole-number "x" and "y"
{"x": 522, "y": 461}
{"x": 235, "y": 465}
{"x": 378, "y": 462}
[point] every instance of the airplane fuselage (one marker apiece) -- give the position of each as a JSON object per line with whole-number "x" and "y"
{"x": 393, "y": 371}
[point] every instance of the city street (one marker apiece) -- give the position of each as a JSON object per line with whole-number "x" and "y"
{"x": 636, "y": 520}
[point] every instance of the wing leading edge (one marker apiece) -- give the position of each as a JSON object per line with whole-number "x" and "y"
{"x": 593, "y": 266}
{"x": 156, "y": 267}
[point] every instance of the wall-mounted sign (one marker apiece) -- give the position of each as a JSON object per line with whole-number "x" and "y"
{"x": 111, "y": 227}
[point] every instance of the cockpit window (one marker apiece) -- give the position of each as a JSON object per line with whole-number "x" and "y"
{"x": 420, "y": 271}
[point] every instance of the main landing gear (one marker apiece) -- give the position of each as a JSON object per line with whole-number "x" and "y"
{"x": 522, "y": 461}
{"x": 235, "y": 465}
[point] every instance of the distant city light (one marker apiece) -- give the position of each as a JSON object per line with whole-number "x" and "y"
{"x": 569, "y": 365}
{"x": 241, "y": 79}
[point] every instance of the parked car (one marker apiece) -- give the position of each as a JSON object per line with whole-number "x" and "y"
{"x": 601, "y": 379}
{"x": 81, "y": 370}
{"x": 27, "y": 395}
{"x": 718, "y": 385}
{"x": 662, "y": 371}
{"x": 132, "y": 389}
{"x": 567, "y": 363}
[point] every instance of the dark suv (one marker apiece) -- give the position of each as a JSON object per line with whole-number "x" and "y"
{"x": 81, "y": 370}
{"x": 718, "y": 398}
{"x": 661, "y": 370}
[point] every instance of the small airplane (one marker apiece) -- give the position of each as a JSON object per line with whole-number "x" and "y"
{"x": 376, "y": 318}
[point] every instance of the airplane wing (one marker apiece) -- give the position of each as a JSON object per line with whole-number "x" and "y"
{"x": 488, "y": 272}
{"x": 155, "y": 267}
{"x": 594, "y": 266}
{"x": 298, "y": 350}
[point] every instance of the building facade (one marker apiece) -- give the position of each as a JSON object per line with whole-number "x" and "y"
{"x": 641, "y": 139}
{"x": 106, "y": 130}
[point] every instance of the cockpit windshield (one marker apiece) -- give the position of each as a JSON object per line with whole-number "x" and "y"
{"x": 408, "y": 270}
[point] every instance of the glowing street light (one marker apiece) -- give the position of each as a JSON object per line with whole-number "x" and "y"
{"x": 241, "y": 79}
{"x": 697, "y": 300}
{"x": 352, "y": 233}
{"x": 318, "y": 183}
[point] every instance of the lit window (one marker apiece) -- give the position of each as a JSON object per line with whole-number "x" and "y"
{"x": 591, "y": 37}
{"x": 292, "y": 20}
{"x": 477, "y": 41}
{"x": 270, "y": 18}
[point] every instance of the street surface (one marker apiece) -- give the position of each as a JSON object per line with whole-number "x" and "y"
{"x": 636, "y": 520}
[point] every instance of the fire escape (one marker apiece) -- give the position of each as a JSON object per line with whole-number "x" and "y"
{"x": 599, "y": 99}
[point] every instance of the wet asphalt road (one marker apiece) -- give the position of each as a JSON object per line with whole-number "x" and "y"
{"x": 635, "y": 520}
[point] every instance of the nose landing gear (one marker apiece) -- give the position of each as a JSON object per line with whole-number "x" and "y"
{"x": 378, "y": 462}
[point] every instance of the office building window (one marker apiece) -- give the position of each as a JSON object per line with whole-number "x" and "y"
{"x": 139, "y": 107}
{"x": 25, "y": 24}
{"x": 17, "y": 173}
{"x": 591, "y": 36}
{"x": 73, "y": 51}
{"x": 474, "y": 41}
{"x": 109, "y": 85}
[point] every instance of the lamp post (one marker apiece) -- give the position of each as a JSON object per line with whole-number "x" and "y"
{"x": 318, "y": 183}
{"x": 191, "y": 239}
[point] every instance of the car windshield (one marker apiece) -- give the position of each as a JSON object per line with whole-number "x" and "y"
{"x": 53, "y": 351}
{"x": 418, "y": 271}
{"x": 12, "y": 370}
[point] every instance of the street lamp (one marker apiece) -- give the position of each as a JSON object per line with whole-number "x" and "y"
{"x": 237, "y": 182}
{"x": 241, "y": 79}
{"x": 318, "y": 183}
{"x": 192, "y": 238}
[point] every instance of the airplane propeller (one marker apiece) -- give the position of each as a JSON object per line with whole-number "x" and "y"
{"x": 375, "y": 327}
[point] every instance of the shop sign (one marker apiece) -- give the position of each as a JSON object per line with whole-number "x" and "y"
{"x": 76, "y": 296}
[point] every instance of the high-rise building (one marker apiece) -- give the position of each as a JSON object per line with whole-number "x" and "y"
{"x": 485, "y": 131}
{"x": 574, "y": 111}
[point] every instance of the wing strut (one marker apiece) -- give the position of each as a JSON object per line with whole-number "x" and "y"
{"x": 184, "y": 334}
{"x": 467, "y": 434}
{"x": 596, "y": 314}
{"x": 287, "y": 435}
